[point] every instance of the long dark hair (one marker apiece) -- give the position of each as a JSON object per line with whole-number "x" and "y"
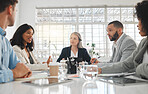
{"x": 17, "y": 38}
{"x": 142, "y": 14}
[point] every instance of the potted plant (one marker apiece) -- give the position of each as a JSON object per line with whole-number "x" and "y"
{"x": 92, "y": 51}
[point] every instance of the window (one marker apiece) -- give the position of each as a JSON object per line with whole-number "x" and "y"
{"x": 54, "y": 26}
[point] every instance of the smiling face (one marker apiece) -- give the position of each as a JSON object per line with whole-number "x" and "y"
{"x": 142, "y": 33}
{"x": 28, "y": 36}
{"x": 74, "y": 40}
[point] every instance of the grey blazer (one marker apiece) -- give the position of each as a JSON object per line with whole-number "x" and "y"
{"x": 134, "y": 61}
{"x": 125, "y": 48}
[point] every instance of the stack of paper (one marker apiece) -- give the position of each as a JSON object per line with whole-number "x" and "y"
{"x": 37, "y": 66}
{"x": 34, "y": 76}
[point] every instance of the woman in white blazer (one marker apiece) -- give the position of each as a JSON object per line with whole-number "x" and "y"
{"x": 23, "y": 44}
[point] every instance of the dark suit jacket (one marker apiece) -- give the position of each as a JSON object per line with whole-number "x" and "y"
{"x": 82, "y": 53}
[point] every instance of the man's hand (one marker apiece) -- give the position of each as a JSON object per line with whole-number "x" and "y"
{"x": 94, "y": 60}
{"x": 21, "y": 71}
{"x": 99, "y": 70}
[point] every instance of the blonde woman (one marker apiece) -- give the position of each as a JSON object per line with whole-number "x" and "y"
{"x": 75, "y": 49}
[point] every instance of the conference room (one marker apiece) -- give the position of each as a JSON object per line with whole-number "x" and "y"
{"x": 73, "y": 47}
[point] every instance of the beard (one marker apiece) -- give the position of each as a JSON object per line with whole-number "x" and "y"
{"x": 115, "y": 36}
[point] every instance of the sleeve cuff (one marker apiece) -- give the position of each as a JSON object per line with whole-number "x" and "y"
{"x": 8, "y": 76}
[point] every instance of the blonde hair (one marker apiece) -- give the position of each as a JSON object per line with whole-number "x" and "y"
{"x": 80, "y": 39}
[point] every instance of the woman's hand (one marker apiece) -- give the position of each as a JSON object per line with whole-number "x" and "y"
{"x": 48, "y": 61}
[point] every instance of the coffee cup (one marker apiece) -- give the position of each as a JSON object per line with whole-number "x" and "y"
{"x": 54, "y": 69}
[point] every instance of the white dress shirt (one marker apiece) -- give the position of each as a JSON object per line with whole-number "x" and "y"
{"x": 73, "y": 55}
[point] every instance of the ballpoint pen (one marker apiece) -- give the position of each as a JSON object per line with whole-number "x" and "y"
{"x": 94, "y": 61}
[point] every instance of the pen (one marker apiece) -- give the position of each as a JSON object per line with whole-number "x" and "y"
{"x": 94, "y": 61}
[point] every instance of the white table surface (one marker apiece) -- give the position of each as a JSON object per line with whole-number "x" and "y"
{"x": 76, "y": 86}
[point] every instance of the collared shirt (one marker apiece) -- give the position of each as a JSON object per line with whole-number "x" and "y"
{"x": 116, "y": 44}
{"x": 8, "y": 58}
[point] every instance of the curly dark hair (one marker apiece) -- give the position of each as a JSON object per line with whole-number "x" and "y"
{"x": 5, "y": 3}
{"x": 142, "y": 14}
{"x": 17, "y": 38}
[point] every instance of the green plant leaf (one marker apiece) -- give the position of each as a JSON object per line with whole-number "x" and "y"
{"x": 93, "y": 44}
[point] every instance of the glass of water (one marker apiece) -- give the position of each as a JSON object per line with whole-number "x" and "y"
{"x": 90, "y": 72}
{"x": 63, "y": 71}
{"x": 80, "y": 68}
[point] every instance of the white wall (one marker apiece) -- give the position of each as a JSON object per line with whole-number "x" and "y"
{"x": 27, "y": 7}
{"x": 69, "y": 3}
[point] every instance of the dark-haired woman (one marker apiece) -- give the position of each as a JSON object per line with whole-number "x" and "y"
{"x": 23, "y": 44}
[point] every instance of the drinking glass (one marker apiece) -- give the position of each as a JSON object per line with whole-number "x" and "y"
{"x": 89, "y": 72}
{"x": 63, "y": 71}
{"x": 80, "y": 68}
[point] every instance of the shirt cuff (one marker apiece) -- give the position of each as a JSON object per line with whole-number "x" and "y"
{"x": 8, "y": 75}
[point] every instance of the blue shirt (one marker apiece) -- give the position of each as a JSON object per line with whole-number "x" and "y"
{"x": 8, "y": 58}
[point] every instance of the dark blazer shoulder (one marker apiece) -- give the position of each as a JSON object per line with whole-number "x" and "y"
{"x": 84, "y": 54}
{"x": 82, "y": 49}
{"x": 64, "y": 54}
{"x": 66, "y": 48}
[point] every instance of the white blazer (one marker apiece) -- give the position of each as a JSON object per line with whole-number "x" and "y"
{"x": 22, "y": 55}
